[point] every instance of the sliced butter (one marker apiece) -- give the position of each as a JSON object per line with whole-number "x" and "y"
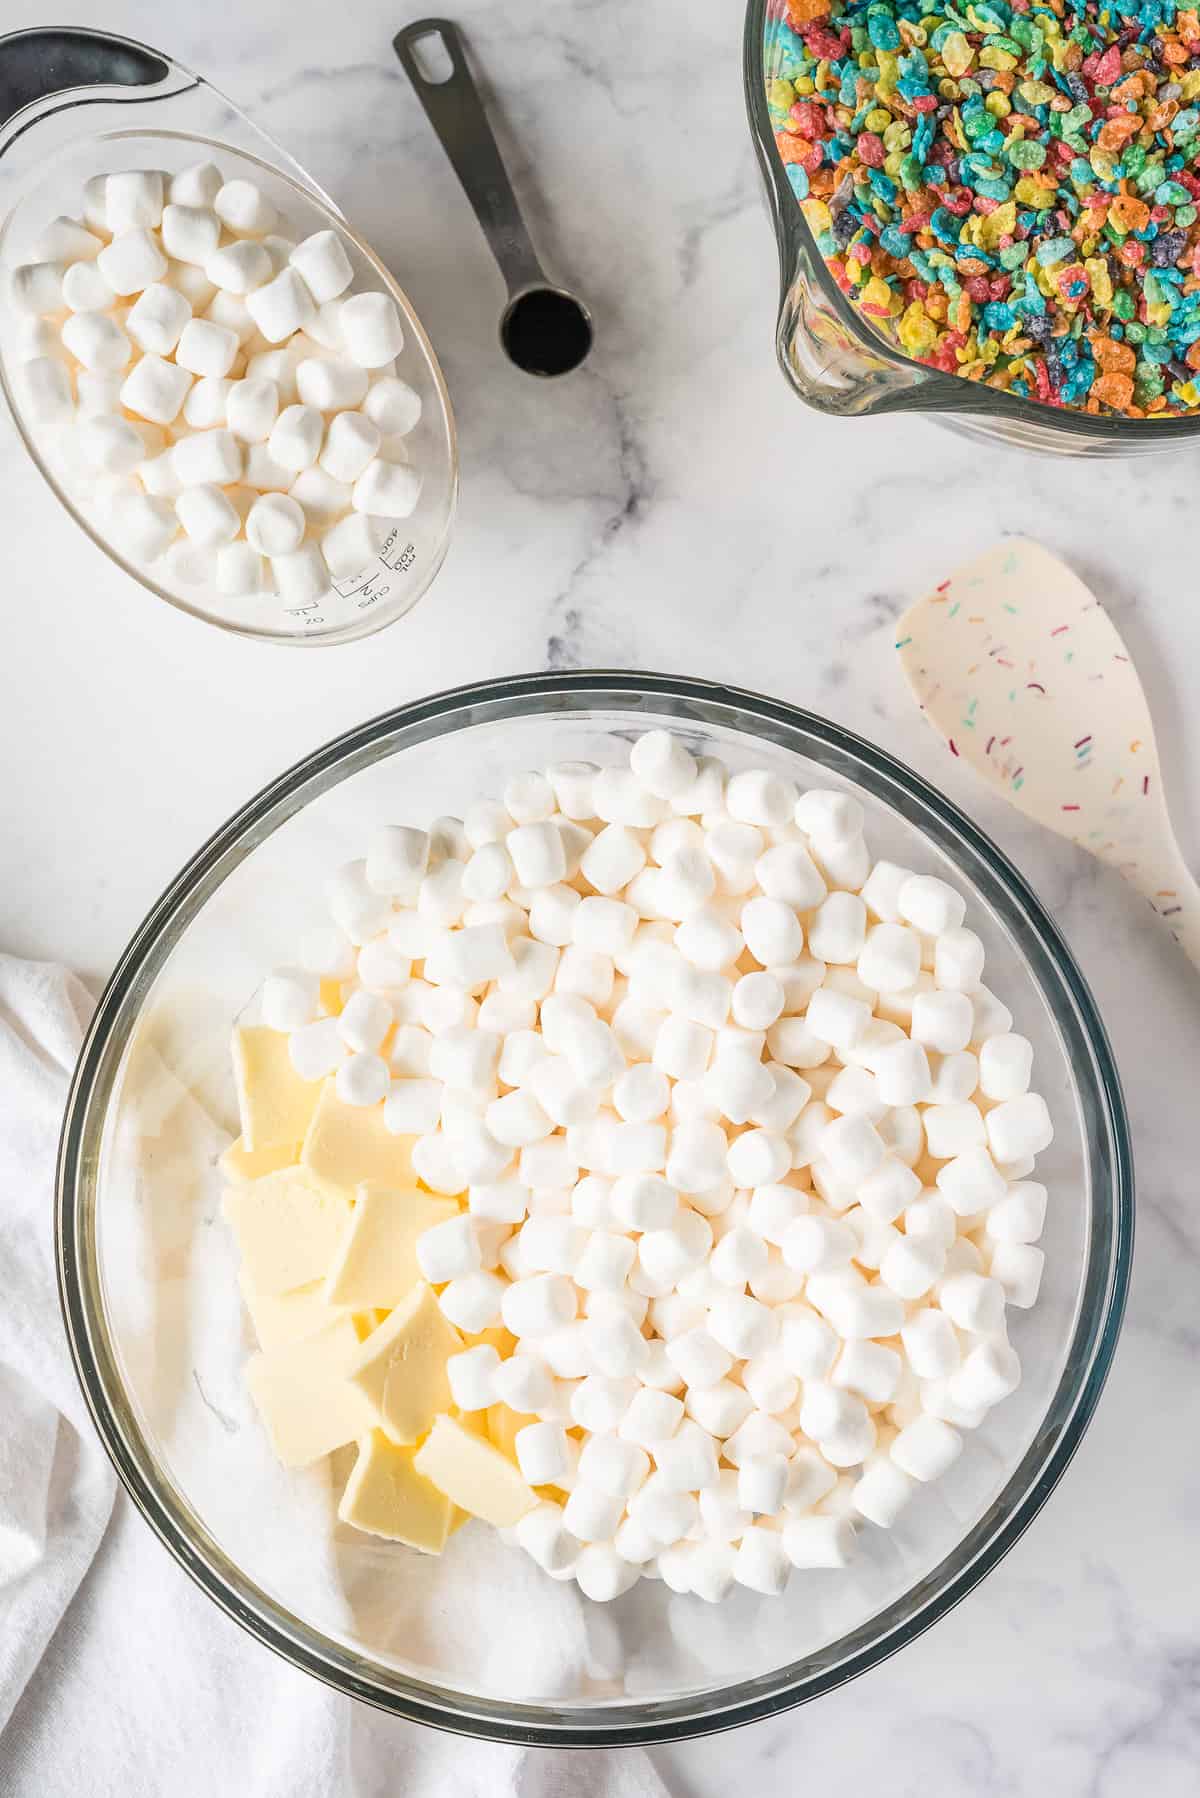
{"x": 376, "y": 1260}
{"x": 306, "y": 1402}
{"x": 386, "y": 1496}
{"x": 287, "y": 1228}
{"x": 283, "y": 1317}
{"x": 274, "y": 1104}
{"x": 240, "y": 1164}
{"x": 348, "y": 1146}
{"x": 401, "y": 1367}
{"x": 474, "y": 1474}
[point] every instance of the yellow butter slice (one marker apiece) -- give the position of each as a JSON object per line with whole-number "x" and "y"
{"x": 376, "y": 1260}
{"x": 386, "y": 1496}
{"x": 274, "y": 1104}
{"x": 474, "y": 1474}
{"x": 348, "y": 1146}
{"x": 240, "y": 1164}
{"x": 306, "y": 1401}
{"x": 287, "y": 1227}
{"x": 401, "y": 1367}
{"x": 280, "y": 1318}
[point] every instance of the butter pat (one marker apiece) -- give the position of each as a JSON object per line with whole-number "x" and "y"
{"x": 240, "y": 1164}
{"x": 280, "y": 1318}
{"x": 287, "y": 1227}
{"x": 401, "y": 1367}
{"x": 386, "y": 1496}
{"x": 347, "y": 1146}
{"x": 274, "y": 1104}
{"x": 306, "y": 1401}
{"x": 376, "y": 1259}
{"x": 474, "y": 1474}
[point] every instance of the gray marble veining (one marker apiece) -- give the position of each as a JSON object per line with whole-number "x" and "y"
{"x": 673, "y": 507}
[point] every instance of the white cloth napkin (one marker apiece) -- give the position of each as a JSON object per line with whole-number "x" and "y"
{"x": 117, "y": 1675}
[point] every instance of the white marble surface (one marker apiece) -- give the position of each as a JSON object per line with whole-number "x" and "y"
{"x": 674, "y": 507}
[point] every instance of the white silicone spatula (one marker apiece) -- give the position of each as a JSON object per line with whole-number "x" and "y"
{"x": 1019, "y": 667}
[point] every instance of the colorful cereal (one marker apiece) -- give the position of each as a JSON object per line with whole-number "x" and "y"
{"x": 1009, "y": 189}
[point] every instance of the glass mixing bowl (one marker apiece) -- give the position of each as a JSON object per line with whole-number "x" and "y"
{"x": 143, "y": 111}
{"x": 840, "y": 362}
{"x": 149, "y": 1272}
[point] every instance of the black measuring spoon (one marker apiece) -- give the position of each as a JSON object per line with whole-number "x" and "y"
{"x": 545, "y": 329}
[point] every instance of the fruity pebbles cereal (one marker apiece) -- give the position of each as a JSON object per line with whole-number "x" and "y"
{"x": 1009, "y": 189}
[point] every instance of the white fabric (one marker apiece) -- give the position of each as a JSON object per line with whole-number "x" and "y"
{"x": 117, "y": 1675}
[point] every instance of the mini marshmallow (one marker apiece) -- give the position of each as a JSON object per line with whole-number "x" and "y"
{"x": 212, "y": 458}
{"x": 786, "y": 872}
{"x": 1020, "y": 1216}
{"x": 207, "y": 516}
{"x": 295, "y": 439}
{"x": 988, "y": 1374}
{"x": 614, "y": 1465}
{"x": 738, "y": 1257}
{"x": 472, "y": 1302}
{"x": 835, "y": 1018}
{"x": 770, "y": 1384}
{"x": 275, "y": 524}
{"x": 332, "y": 385}
{"x": 838, "y": 928}
{"x": 37, "y": 287}
{"x": 1005, "y": 1065}
{"x": 371, "y": 329}
{"x": 239, "y": 268}
{"x": 617, "y": 1345}
{"x": 882, "y": 1492}
{"x": 890, "y": 959}
{"x": 761, "y": 1483}
{"x": 931, "y": 1344}
{"x": 853, "y": 1147}
{"x": 942, "y": 1020}
{"x": 545, "y": 1538}
{"x": 818, "y": 1245}
{"x": 930, "y": 905}
{"x": 742, "y": 1326}
{"x": 300, "y": 576}
{"x": 240, "y": 570}
{"x": 1018, "y": 1267}
{"x": 758, "y": 1158}
{"x": 280, "y": 306}
{"x": 757, "y": 797}
{"x": 958, "y": 960}
{"x": 244, "y": 209}
{"x": 541, "y": 1450}
{"x": 84, "y": 289}
{"x": 537, "y": 1305}
{"x": 973, "y": 1302}
{"x": 771, "y": 931}
{"x": 471, "y": 1381}
{"x": 869, "y": 1370}
{"x": 351, "y": 545}
{"x": 131, "y": 262}
{"x": 757, "y": 1001}
{"x": 350, "y": 443}
{"x": 146, "y": 525}
{"x": 926, "y": 1449}
{"x": 323, "y": 265}
{"x": 133, "y": 199}
{"x": 316, "y": 1049}
{"x": 47, "y": 387}
{"x": 157, "y": 318}
{"x": 97, "y": 341}
{"x": 66, "y": 240}
{"x": 1019, "y": 1127}
{"x": 113, "y": 445}
{"x": 971, "y": 1182}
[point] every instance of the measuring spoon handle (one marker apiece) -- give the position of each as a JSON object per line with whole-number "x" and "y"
{"x": 455, "y": 111}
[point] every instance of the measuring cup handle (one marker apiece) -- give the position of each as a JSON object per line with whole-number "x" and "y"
{"x": 36, "y": 65}
{"x": 455, "y": 111}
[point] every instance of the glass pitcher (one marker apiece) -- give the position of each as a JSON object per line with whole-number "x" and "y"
{"x": 840, "y": 363}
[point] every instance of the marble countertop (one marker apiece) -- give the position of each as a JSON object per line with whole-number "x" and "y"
{"x": 674, "y": 507}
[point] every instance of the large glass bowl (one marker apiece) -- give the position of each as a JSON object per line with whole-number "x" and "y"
{"x": 76, "y": 103}
{"x": 840, "y": 362}
{"x": 149, "y": 1272}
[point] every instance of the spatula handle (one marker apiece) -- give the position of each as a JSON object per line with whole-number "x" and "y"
{"x": 1173, "y": 894}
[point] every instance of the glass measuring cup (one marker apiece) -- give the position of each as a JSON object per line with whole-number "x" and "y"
{"x": 77, "y": 103}
{"x": 840, "y": 363}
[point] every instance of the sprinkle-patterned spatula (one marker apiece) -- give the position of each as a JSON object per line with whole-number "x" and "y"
{"x": 1019, "y": 667}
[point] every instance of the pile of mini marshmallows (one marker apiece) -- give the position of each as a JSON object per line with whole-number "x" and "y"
{"x": 745, "y": 1142}
{"x": 237, "y": 411}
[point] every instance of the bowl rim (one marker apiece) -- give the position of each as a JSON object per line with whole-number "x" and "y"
{"x": 931, "y": 390}
{"x": 309, "y": 192}
{"x": 1098, "y": 1310}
